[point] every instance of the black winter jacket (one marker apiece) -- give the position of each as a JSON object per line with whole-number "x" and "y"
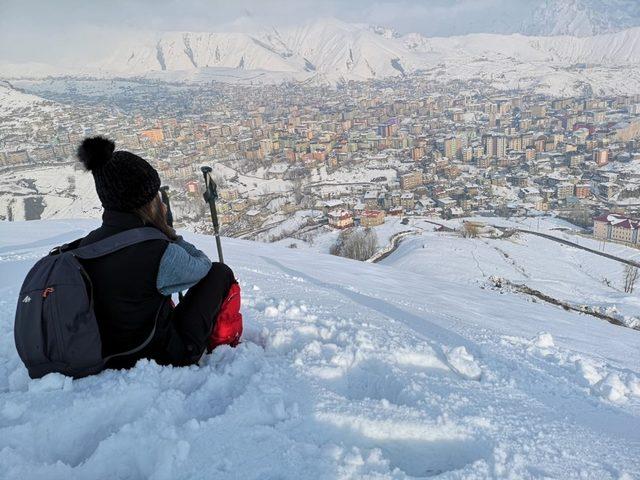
{"x": 126, "y": 299}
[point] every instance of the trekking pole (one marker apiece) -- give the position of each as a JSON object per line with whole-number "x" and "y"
{"x": 210, "y": 195}
{"x": 164, "y": 194}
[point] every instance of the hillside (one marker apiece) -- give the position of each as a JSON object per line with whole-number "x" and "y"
{"x": 15, "y": 102}
{"x": 330, "y": 51}
{"x": 562, "y": 272}
{"x": 335, "y": 49}
{"x": 347, "y": 370}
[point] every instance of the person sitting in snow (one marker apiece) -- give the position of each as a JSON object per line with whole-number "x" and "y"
{"x": 132, "y": 285}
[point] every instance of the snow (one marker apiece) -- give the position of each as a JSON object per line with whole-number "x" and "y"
{"x": 544, "y": 340}
{"x": 327, "y": 51}
{"x": 13, "y": 102}
{"x": 346, "y": 370}
{"x": 65, "y": 190}
{"x": 562, "y": 272}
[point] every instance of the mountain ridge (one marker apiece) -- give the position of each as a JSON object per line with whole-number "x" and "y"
{"x": 330, "y": 51}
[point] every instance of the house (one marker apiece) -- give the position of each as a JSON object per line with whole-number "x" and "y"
{"x": 407, "y": 201}
{"x": 332, "y": 204}
{"x": 455, "y": 212}
{"x": 371, "y": 199}
{"x": 409, "y": 181}
{"x": 528, "y": 194}
{"x": 253, "y": 216}
{"x": 192, "y": 187}
{"x": 608, "y": 189}
{"x": 277, "y": 171}
{"x": 583, "y": 190}
{"x": 396, "y": 211}
{"x": 611, "y": 226}
{"x": 340, "y": 219}
{"x": 446, "y": 202}
{"x": 358, "y": 208}
{"x": 372, "y": 218}
{"x": 564, "y": 190}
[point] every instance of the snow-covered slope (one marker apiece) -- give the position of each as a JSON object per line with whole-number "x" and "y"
{"x": 607, "y": 49}
{"x": 565, "y": 273}
{"x": 13, "y": 101}
{"x": 54, "y": 191}
{"x": 329, "y": 50}
{"x": 347, "y": 370}
{"x": 337, "y": 49}
{"x": 326, "y": 47}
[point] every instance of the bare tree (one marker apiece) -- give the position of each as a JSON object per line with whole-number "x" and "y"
{"x": 470, "y": 230}
{"x": 356, "y": 244}
{"x": 630, "y": 278}
{"x": 297, "y": 191}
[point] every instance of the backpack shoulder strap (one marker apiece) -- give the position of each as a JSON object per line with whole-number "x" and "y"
{"x": 117, "y": 242}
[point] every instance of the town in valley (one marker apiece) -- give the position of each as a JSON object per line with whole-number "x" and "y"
{"x": 295, "y": 159}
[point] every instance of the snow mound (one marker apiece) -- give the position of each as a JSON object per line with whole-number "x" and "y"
{"x": 346, "y": 370}
{"x": 544, "y": 340}
{"x": 612, "y": 388}
{"x": 464, "y": 363}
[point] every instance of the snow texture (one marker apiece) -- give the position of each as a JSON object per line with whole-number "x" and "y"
{"x": 329, "y": 51}
{"x": 346, "y": 370}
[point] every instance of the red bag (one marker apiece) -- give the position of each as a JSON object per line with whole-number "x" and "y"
{"x": 228, "y": 327}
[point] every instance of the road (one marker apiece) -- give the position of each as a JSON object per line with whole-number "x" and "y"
{"x": 572, "y": 244}
{"x": 397, "y": 240}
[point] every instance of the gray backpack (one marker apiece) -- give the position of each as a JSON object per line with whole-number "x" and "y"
{"x": 56, "y": 328}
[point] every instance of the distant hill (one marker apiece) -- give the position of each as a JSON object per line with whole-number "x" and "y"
{"x": 330, "y": 51}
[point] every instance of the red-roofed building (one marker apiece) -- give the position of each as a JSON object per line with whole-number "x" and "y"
{"x": 372, "y": 218}
{"x": 340, "y": 219}
{"x": 611, "y": 226}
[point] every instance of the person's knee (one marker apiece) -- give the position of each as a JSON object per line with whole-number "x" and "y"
{"x": 222, "y": 273}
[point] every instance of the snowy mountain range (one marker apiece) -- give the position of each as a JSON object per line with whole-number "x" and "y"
{"x": 347, "y": 370}
{"x": 335, "y": 50}
{"x": 328, "y": 50}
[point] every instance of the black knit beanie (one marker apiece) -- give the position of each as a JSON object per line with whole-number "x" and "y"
{"x": 124, "y": 181}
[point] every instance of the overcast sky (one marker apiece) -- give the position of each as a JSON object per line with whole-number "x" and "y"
{"x": 37, "y": 30}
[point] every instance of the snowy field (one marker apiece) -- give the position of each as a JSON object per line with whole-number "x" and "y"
{"x": 321, "y": 240}
{"x": 347, "y": 370}
{"x": 560, "y": 271}
{"x": 59, "y": 191}
{"x": 563, "y": 272}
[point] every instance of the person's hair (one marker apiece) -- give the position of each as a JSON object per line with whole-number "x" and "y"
{"x": 152, "y": 214}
